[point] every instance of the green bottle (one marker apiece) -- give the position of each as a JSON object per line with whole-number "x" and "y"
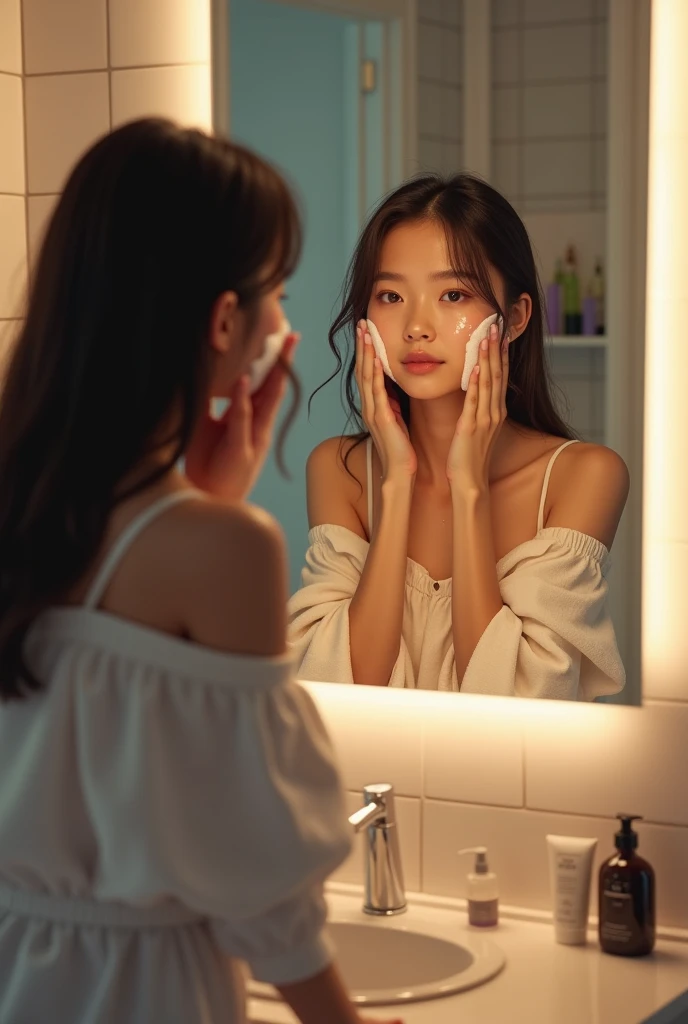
{"x": 572, "y": 305}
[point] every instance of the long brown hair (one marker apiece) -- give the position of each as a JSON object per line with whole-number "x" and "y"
{"x": 482, "y": 230}
{"x": 155, "y": 223}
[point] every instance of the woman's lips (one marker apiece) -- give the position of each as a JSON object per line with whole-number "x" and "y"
{"x": 419, "y": 368}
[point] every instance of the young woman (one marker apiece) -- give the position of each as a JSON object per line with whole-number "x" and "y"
{"x": 168, "y": 798}
{"x": 461, "y": 540}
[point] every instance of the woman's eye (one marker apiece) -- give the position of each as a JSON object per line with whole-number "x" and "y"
{"x": 389, "y": 297}
{"x": 454, "y": 296}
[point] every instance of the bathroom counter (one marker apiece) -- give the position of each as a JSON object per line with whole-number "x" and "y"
{"x": 542, "y": 981}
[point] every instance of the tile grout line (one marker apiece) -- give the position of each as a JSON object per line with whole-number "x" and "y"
{"x": 25, "y": 129}
{"x": 100, "y": 70}
{"x": 109, "y": 58}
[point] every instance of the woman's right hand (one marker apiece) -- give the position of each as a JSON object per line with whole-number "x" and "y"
{"x": 382, "y": 413}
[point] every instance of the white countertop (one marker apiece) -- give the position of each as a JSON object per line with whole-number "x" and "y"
{"x": 542, "y": 983}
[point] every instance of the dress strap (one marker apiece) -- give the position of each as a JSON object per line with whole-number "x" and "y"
{"x": 369, "y": 477}
{"x": 126, "y": 539}
{"x": 545, "y": 485}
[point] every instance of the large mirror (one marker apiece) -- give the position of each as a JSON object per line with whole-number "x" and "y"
{"x": 545, "y": 100}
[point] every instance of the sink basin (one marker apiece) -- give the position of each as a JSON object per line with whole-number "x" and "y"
{"x": 383, "y": 963}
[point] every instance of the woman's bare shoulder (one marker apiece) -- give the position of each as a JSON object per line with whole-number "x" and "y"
{"x": 588, "y": 490}
{"x": 336, "y": 483}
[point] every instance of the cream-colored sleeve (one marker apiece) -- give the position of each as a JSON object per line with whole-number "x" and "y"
{"x": 224, "y": 797}
{"x": 553, "y": 637}
{"x": 318, "y": 628}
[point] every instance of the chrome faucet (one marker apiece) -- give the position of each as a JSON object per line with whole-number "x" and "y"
{"x": 384, "y": 879}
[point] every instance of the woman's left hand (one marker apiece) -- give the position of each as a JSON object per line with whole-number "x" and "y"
{"x": 483, "y": 413}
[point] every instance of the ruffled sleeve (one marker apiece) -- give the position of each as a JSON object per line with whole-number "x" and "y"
{"x": 220, "y": 794}
{"x": 554, "y": 636}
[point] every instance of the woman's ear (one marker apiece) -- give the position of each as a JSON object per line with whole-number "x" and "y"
{"x": 521, "y": 311}
{"x": 223, "y": 322}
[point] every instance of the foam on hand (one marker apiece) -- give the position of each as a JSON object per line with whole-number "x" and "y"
{"x": 261, "y": 367}
{"x": 380, "y": 350}
{"x": 473, "y": 346}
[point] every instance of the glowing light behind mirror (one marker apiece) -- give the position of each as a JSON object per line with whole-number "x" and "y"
{"x": 665, "y": 490}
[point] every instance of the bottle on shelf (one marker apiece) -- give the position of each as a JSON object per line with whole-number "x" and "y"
{"x": 571, "y": 287}
{"x": 597, "y": 292}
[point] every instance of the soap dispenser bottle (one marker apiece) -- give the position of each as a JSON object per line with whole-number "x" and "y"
{"x": 483, "y": 894}
{"x": 627, "y": 897}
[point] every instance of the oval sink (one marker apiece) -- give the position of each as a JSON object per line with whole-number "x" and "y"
{"x": 383, "y": 964}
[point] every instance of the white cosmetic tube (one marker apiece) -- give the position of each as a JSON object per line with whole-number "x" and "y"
{"x": 570, "y": 867}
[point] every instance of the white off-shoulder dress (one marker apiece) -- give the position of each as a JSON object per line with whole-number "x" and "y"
{"x": 552, "y": 638}
{"x": 166, "y": 810}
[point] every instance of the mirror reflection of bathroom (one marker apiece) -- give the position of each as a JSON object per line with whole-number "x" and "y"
{"x": 531, "y": 97}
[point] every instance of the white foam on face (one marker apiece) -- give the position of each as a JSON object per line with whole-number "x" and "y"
{"x": 261, "y": 367}
{"x": 380, "y": 350}
{"x": 473, "y": 347}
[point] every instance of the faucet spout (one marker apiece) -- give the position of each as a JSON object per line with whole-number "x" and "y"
{"x": 384, "y": 880}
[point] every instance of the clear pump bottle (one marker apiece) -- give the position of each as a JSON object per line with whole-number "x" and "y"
{"x": 483, "y": 893}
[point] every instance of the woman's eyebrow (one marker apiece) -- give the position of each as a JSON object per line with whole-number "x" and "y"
{"x": 385, "y": 275}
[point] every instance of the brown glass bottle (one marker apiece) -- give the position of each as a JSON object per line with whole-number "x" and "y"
{"x": 627, "y": 897}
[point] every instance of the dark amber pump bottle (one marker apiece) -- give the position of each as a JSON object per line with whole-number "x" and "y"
{"x": 627, "y": 897}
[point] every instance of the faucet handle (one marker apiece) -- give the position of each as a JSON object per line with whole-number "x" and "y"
{"x": 378, "y": 807}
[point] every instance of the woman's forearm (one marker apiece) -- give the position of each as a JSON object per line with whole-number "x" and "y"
{"x": 476, "y": 597}
{"x": 376, "y": 611}
{"x": 320, "y": 998}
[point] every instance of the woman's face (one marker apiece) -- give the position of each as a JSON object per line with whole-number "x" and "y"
{"x": 421, "y": 307}
{"x": 239, "y": 337}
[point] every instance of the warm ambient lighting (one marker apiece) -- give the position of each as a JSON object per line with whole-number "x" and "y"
{"x": 665, "y": 490}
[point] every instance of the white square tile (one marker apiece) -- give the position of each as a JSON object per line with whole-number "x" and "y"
{"x": 556, "y": 52}
{"x": 12, "y": 134}
{"x": 452, "y": 113}
{"x": 665, "y": 599}
{"x": 536, "y": 12}
{"x": 608, "y": 760}
{"x": 430, "y": 154}
{"x": 65, "y": 114}
{"x": 570, "y": 362}
{"x": 453, "y": 13}
{"x": 600, "y": 104}
{"x": 181, "y": 93}
{"x": 12, "y": 256}
{"x": 430, "y": 51}
{"x": 408, "y": 824}
{"x": 430, "y": 109}
{"x": 40, "y": 210}
{"x": 10, "y": 36}
{"x": 578, "y": 395}
{"x": 557, "y": 111}
{"x": 599, "y": 171}
{"x": 467, "y": 759}
{"x": 452, "y": 57}
{"x": 506, "y": 174}
{"x": 452, "y": 157}
{"x": 506, "y": 13}
{"x": 377, "y": 735}
{"x": 506, "y": 57}
{"x": 556, "y": 204}
{"x": 600, "y": 48}
{"x": 151, "y": 32}
{"x": 557, "y": 168}
{"x": 506, "y": 114}
{"x": 67, "y": 36}
{"x": 431, "y": 10}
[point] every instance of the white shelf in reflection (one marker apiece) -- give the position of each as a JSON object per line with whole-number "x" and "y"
{"x": 577, "y": 340}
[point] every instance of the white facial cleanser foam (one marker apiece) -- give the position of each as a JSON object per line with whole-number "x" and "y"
{"x": 570, "y": 865}
{"x": 260, "y": 367}
{"x": 473, "y": 346}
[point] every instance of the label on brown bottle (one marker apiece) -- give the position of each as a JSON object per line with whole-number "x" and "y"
{"x": 483, "y": 913}
{"x": 618, "y": 921}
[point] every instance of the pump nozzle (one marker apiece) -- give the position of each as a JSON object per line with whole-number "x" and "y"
{"x": 481, "y": 866}
{"x": 626, "y": 838}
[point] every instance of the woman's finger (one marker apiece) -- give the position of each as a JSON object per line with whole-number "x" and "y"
{"x": 505, "y": 371}
{"x": 383, "y": 409}
{"x": 239, "y": 418}
{"x": 496, "y": 397}
{"x": 367, "y": 378}
{"x": 470, "y": 405}
{"x": 484, "y": 383}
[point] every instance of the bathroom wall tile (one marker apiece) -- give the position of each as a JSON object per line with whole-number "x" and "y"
{"x": 665, "y": 637}
{"x": 506, "y": 56}
{"x": 506, "y": 174}
{"x": 67, "y": 36}
{"x": 452, "y": 157}
{"x": 461, "y": 763}
{"x": 452, "y": 13}
{"x": 181, "y": 93}
{"x": 12, "y": 135}
{"x": 518, "y": 854}
{"x": 430, "y": 154}
{"x": 12, "y": 256}
{"x": 145, "y": 32}
{"x": 556, "y": 204}
{"x": 557, "y": 111}
{"x": 506, "y": 13}
{"x": 578, "y": 397}
{"x": 556, "y": 52}
{"x": 597, "y": 405}
{"x": 539, "y": 12}
{"x": 599, "y": 170}
{"x": 431, "y": 10}
{"x": 633, "y": 759}
{"x": 40, "y": 209}
{"x": 377, "y": 735}
{"x": 600, "y": 103}
{"x": 431, "y": 109}
{"x": 409, "y": 826}
{"x": 598, "y": 360}
{"x": 64, "y": 115}
{"x": 451, "y": 63}
{"x": 600, "y": 45}
{"x": 10, "y": 36}
{"x": 567, "y": 362}
{"x": 557, "y": 168}
{"x": 430, "y": 51}
{"x": 452, "y": 113}
{"x": 506, "y": 114}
